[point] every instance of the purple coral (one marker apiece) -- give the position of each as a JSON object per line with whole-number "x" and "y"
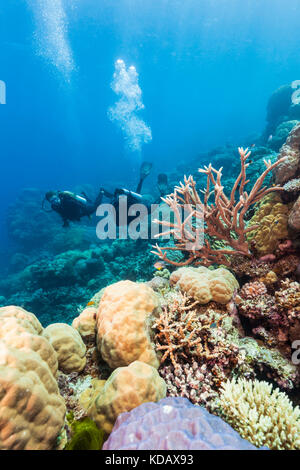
{"x": 173, "y": 424}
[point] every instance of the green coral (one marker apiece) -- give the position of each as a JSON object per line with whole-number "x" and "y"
{"x": 271, "y": 222}
{"x": 85, "y": 435}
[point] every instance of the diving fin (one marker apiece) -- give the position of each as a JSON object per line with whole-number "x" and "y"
{"x": 162, "y": 184}
{"x": 146, "y": 167}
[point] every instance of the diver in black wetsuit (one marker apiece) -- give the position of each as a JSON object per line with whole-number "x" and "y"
{"x": 72, "y": 207}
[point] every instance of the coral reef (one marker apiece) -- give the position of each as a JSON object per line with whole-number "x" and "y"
{"x": 173, "y": 424}
{"x": 221, "y": 333}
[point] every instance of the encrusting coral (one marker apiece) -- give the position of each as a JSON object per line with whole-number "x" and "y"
{"x": 262, "y": 415}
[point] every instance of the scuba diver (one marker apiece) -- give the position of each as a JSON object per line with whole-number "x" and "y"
{"x": 72, "y": 207}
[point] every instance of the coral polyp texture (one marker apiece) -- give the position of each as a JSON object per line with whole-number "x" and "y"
{"x": 124, "y": 324}
{"x": 204, "y": 285}
{"x": 261, "y": 414}
{"x": 32, "y": 410}
{"x": 173, "y": 424}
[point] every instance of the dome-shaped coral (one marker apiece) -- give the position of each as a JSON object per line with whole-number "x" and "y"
{"x": 31, "y": 408}
{"x": 126, "y": 388}
{"x": 204, "y": 285}
{"x": 173, "y": 424}
{"x": 271, "y": 221}
{"x": 68, "y": 345}
{"x": 123, "y": 324}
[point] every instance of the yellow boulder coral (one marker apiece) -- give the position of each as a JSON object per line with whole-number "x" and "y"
{"x": 205, "y": 285}
{"x": 126, "y": 388}
{"x": 124, "y": 324}
{"x": 31, "y": 408}
{"x": 271, "y": 218}
{"x": 69, "y": 347}
{"x": 262, "y": 415}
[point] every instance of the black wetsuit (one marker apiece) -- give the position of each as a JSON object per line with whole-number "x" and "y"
{"x": 72, "y": 207}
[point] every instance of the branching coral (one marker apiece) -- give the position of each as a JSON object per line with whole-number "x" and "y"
{"x": 262, "y": 415}
{"x": 224, "y": 218}
{"x": 188, "y": 337}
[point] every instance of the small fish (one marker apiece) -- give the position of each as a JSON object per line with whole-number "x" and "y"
{"x": 253, "y": 145}
{"x": 270, "y": 138}
{"x": 159, "y": 265}
{"x": 213, "y": 325}
{"x": 89, "y": 304}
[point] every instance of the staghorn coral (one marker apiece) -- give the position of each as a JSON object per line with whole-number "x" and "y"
{"x": 68, "y": 345}
{"x": 183, "y": 333}
{"x": 204, "y": 285}
{"x": 124, "y": 324}
{"x": 173, "y": 424}
{"x": 262, "y": 415}
{"x": 224, "y": 218}
{"x": 126, "y": 388}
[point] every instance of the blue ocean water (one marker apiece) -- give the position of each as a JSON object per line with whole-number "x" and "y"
{"x": 206, "y": 70}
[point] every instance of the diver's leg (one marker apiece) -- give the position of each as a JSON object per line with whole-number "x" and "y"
{"x": 144, "y": 171}
{"x": 102, "y": 193}
{"x": 139, "y": 187}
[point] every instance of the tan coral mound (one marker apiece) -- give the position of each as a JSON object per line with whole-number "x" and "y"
{"x": 21, "y": 330}
{"x": 123, "y": 324}
{"x": 85, "y": 323}
{"x": 69, "y": 347}
{"x": 126, "y": 388}
{"x": 25, "y": 319}
{"x": 287, "y": 169}
{"x": 261, "y": 414}
{"x": 205, "y": 285}
{"x": 31, "y": 408}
